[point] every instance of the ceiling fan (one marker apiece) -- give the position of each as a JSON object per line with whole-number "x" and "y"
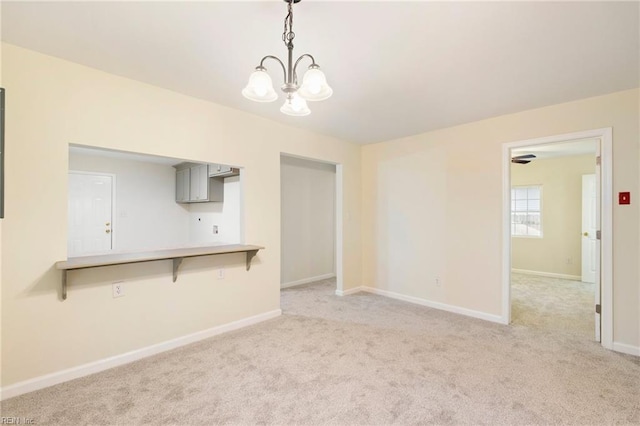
{"x": 523, "y": 159}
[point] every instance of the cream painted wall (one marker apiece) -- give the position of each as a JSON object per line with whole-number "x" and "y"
{"x": 432, "y": 206}
{"x": 559, "y": 249}
{"x": 146, "y": 215}
{"x": 308, "y": 219}
{"x": 54, "y": 103}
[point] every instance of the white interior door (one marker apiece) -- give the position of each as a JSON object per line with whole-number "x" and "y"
{"x": 589, "y": 228}
{"x": 90, "y": 209}
{"x": 591, "y": 244}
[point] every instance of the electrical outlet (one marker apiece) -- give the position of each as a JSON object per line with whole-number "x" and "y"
{"x": 438, "y": 282}
{"x": 215, "y": 229}
{"x": 118, "y": 289}
{"x": 220, "y": 273}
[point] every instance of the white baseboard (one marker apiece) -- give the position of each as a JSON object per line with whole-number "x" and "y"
{"x": 308, "y": 280}
{"x": 114, "y": 361}
{"x": 436, "y": 305}
{"x": 618, "y": 347}
{"x": 349, "y": 291}
{"x": 626, "y": 349}
{"x": 548, "y": 274}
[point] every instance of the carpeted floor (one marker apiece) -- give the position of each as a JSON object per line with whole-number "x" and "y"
{"x": 554, "y": 305}
{"x": 359, "y": 359}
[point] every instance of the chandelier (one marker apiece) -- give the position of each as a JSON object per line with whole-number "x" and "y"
{"x": 314, "y": 85}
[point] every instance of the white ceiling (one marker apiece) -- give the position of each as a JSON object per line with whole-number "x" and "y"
{"x": 397, "y": 68}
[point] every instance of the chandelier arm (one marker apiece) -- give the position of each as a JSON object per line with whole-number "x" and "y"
{"x": 295, "y": 103}
{"x": 295, "y": 75}
{"x": 284, "y": 69}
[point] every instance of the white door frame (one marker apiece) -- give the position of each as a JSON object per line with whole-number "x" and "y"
{"x": 587, "y": 267}
{"x": 339, "y": 251}
{"x": 606, "y": 222}
{"x": 113, "y": 202}
{"x": 339, "y": 222}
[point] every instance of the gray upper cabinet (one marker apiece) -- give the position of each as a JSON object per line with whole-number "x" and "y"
{"x": 198, "y": 183}
{"x": 221, "y": 170}
{"x": 193, "y": 184}
{"x": 182, "y": 185}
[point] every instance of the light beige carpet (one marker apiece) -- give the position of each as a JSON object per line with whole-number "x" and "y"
{"x": 360, "y": 359}
{"x": 553, "y": 304}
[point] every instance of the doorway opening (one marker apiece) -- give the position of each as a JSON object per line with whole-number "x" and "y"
{"x": 311, "y": 222}
{"x": 155, "y": 202}
{"x": 557, "y": 257}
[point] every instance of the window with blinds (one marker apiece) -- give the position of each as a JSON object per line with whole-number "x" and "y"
{"x": 526, "y": 211}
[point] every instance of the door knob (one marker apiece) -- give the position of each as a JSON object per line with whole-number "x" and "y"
{"x": 107, "y": 231}
{"x": 107, "y": 224}
{"x": 586, "y": 234}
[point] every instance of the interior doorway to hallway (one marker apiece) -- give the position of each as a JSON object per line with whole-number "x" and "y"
{"x": 309, "y": 221}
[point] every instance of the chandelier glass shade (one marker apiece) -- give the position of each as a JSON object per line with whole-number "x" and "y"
{"x": 260, "y": 87}
{"x": 314, "y": 85}
{"x": 295, "y": 105}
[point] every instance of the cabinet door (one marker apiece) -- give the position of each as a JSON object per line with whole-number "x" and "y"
{"x": 182, "y": 185}
{"x": 199, "y": 185}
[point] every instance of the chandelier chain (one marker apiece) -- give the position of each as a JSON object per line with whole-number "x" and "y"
{"x": 288, "y": 35}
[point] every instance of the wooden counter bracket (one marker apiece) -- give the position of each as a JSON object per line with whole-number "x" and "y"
{"x": 250, "y": 255}
{"x": 64, "y": 284}
{"x": 176, "y": 264}
{"x": 177, "y": 255}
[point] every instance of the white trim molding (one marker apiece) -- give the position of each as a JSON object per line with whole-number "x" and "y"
{"x": 115, "y": 361}
{"x": 605, "y": 135}
{"x": 435, "y": 305}
{"x": 340, "y": 226}
{"x": 547, "y": 274}
{"x": 307, "y": 280}
{"x": 626, "y": 349}
{"x": 349, "y": 291}
{"x": 606, "y": 230}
